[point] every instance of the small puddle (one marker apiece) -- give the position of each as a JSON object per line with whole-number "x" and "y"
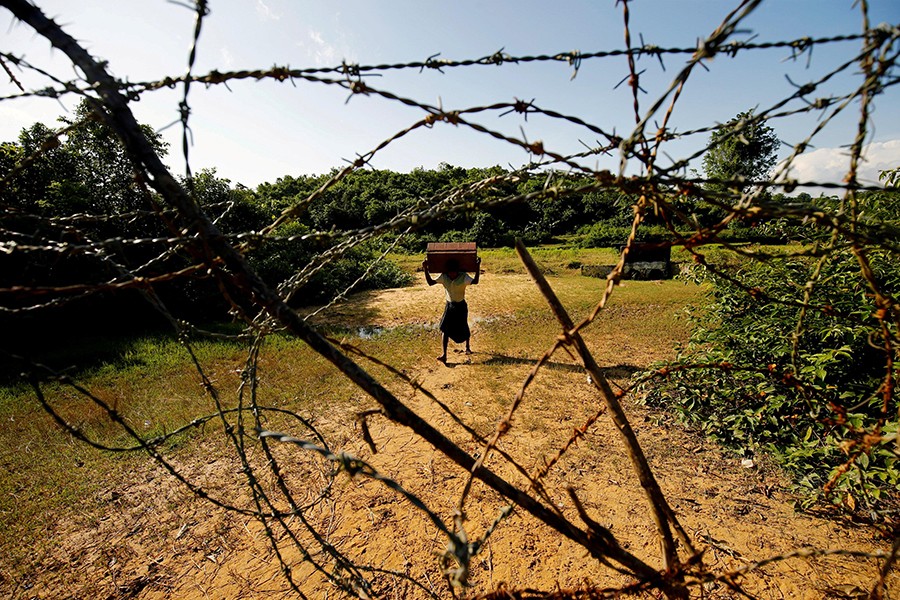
{"x": 368, "y": 332}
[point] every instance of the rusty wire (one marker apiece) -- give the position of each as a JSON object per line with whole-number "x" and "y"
{"x": 220, "y": 257}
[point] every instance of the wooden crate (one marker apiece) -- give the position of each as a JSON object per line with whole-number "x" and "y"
{"x": 438, "y": 253}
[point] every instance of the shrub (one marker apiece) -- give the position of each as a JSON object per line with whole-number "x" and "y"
{"x": 810, "y": 407}
{"x": 605, "y": 235}
{"x": 281, "y": 257}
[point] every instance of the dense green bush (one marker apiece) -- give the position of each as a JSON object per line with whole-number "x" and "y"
{"x": 605, "y": 235}
{"x": 278, "y": 258}
{"x": 772, "y": 232}
{"x": 338, "y": 276}
{"x": 811, "y": 407}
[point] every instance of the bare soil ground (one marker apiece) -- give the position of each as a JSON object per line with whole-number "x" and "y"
{"x": 155, "y": 540}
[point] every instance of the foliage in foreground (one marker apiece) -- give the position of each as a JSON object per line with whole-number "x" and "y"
{"x": 806, "y": 390}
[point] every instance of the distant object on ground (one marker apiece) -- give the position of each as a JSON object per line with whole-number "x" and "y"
{"x": 644, "y": 262}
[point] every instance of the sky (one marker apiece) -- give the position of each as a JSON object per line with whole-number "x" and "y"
{"x": 257, "y": 131}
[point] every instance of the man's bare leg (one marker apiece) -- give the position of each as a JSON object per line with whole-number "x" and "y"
{"x": 444, "y": 340}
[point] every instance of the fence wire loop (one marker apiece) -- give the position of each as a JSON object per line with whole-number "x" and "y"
{"x": 180, "y": 239}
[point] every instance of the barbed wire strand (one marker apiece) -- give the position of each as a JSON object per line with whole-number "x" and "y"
{"x": 219, "y": 256}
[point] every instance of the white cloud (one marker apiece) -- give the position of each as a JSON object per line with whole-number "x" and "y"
{"x": 227, "y": 57}
{"x": 13, "y": 118}
{"x": 832, "y": 164}
{"x": 323, "y": 53}
{"x": 265, "y": 12}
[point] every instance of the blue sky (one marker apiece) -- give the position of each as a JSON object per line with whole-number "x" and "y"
{"x": 259, "y": 131}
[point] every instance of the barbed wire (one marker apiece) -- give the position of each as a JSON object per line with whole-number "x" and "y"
{"x": 189, "y": 232}
{"x": 798, "y": 47}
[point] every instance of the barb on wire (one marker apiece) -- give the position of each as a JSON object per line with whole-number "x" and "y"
{"x": 181, "y": 240}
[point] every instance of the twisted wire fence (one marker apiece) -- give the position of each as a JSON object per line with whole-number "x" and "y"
{"x": 283, "y": 502}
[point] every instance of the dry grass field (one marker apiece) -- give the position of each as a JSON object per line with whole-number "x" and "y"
{"x": 78, "y": 523}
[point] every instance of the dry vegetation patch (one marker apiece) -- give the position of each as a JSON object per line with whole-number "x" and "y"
{"x": 128, "y": 530}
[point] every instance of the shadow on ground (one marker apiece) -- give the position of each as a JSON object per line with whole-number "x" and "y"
{"x": 613, "y": 372}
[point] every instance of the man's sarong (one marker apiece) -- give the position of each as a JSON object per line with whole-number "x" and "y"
{"x": 455, "y": 322}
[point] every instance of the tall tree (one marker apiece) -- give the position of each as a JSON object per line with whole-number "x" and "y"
{"x": 742, "y": 150}
{"x": 102, "y": 164}
{"x": 48, "y": 173}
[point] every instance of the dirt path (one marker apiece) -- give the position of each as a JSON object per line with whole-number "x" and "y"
{"x": 158, "y": 541}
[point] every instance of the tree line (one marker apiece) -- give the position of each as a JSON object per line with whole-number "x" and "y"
{"x": 79, "y": 189}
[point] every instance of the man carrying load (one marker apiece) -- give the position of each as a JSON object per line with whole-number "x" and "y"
{"x": 455, "y": 321}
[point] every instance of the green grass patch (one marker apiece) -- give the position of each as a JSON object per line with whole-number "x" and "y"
{"x": 551, "y": 259}
{"x": 152, "y": 382}
{"x": 154, "y": 386}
